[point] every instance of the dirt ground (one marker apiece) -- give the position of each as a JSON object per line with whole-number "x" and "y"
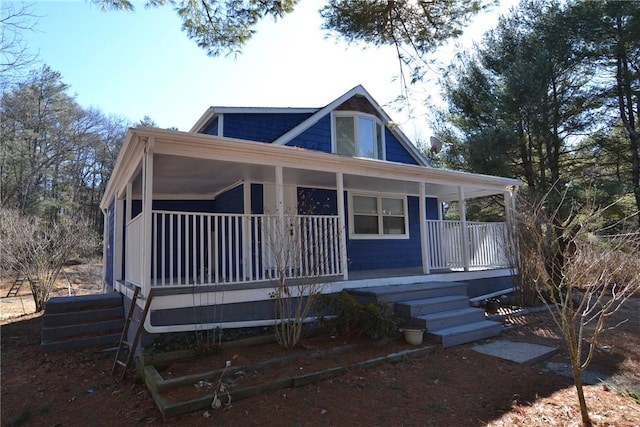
{"x": 455, "y": 386}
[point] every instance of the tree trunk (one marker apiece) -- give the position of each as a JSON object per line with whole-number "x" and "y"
{"x": 584, "y": 412}
{"x": 625, "y": 105}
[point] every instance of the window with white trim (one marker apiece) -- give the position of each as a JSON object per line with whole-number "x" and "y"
{"x": 358, "y": 135}
{"x": 378, "y": 216}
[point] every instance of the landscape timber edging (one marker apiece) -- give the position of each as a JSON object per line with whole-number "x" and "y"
{"x": 169, "y": 409}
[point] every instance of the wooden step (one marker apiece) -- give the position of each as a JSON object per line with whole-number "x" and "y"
{"x": 83, "y": 302}
{"x": 466, "y": 333}
{"x": 80, "y": 317}
{"x": 412, "y": 291}
{"x": 80, "y": 322}
{"x": 420, "y": 307}
{"x": 96, "y": 328}
{"x": 81, "y": 343}
{"x": 448, "y": 319}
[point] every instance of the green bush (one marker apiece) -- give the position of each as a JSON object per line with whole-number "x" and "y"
{"x": 352, "y": 318}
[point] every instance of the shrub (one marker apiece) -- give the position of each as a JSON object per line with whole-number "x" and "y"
{"x": 352, "y": 318}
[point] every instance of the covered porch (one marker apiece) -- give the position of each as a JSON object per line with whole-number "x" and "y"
{"x": 195, "y": 212}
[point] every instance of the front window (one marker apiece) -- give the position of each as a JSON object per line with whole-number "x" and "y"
{"x": 359, "y": 135}
{"x": 378, "y": 216}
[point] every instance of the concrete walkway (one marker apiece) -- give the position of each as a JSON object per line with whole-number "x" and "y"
{"x": 519, "y": 352}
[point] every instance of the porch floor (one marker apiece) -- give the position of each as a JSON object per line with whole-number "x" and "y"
{"x": 383, "y": 273}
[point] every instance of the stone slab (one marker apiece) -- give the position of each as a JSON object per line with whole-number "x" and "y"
{"x": 519, "y": 352}
{"x": 588, "y": 377}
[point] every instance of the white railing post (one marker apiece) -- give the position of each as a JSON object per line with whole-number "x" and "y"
{"x": 342, "y": 230}
{"x": 424, "y": 247}
{"x": 147, "y": 235}
{"x": 464, "y": 231}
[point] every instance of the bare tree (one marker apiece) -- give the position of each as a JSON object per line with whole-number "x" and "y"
{"x": 582, "y": 272}
{"x": 39, "y": 250}
{"x": 297, "y": 254}
{"x": 15, "y": 18}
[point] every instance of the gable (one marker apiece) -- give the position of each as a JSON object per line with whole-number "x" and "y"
{"x": 361, "y": 104}
{"x": 359, "y": 101}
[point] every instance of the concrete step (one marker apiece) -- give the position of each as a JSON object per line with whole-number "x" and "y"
{"x": 95, "y": 328}
{"x": 83, "y": 302}
{"x": 466, "y": 333}
{"x": 81, "y": 343}
{"x": 80, "y": 317}
{"x": 420, "y": 307}
{"x": 448, "y": 319}
{"x": 406, "y": 292}
{"x": 80, "y": 322}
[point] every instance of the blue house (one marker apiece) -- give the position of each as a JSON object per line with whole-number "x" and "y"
{"x": 211, "y": 217}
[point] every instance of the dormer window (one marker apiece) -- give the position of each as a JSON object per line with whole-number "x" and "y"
{"x": 358, "y": 135}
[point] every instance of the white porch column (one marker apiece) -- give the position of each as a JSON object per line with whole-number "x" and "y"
{"x": 424, "y": 246}
{"x": 341, "y": 224}
{"x": 118, "y": 226}
{"x": 282, "y": 262}
{"x": 246, "y": 231}
{"x": 147, "y": 202}
{"x": 280, "y": 195}
{"x": 105, "y": 245}
{"x": 510, "y": 204}
{"x": 127, "y": 217}
{"x": 511, "y": 254}
{"x": 465, "y": 230}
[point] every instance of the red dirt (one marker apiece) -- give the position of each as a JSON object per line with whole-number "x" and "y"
{"x": 455, "y": 386}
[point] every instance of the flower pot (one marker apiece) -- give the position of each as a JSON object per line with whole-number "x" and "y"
{"x": 414, "y": 336}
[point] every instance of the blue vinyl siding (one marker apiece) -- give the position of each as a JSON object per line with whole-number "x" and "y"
{"x": 395, "y": 151}
{"x": 432, "y": 207}
{"x": 317, "y": 137}
{"x": 257, "y": 199}
{"x": 212, "y": 129}
{"x": 372, "y": 254}
{"x": 260, "y": 127}
{"x": 231, "y": 201}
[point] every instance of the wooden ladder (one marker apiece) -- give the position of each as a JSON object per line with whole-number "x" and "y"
{"x": 15, "y": 287}
{"x": 131, "y": 346}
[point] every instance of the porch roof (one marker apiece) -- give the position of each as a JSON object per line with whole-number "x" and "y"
{"x": 189, "y": 165}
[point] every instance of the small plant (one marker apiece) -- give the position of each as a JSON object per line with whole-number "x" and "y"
{"x": 352, "y": 318}
{"x": 221, "y": 387}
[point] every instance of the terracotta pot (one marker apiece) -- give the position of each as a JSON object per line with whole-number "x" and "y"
{"x": 414, "y": 336}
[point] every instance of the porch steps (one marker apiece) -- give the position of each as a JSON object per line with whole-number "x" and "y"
{"x": 408, "y": 292}
{"x": 449, "y": 318}
{"x": 420, "y": 307}
{"x": 79, "y": 322}
{"x": 441, "y": 308}
{"x": 466, "y": 333}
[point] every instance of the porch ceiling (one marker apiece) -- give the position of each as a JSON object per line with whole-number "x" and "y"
{"x": 176, "y": 176}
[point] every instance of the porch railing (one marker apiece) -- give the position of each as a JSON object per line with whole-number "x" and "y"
{"x": 203, "y": 248}
{"x": 133, "y": 251}
{"x": 486, "y": 244}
